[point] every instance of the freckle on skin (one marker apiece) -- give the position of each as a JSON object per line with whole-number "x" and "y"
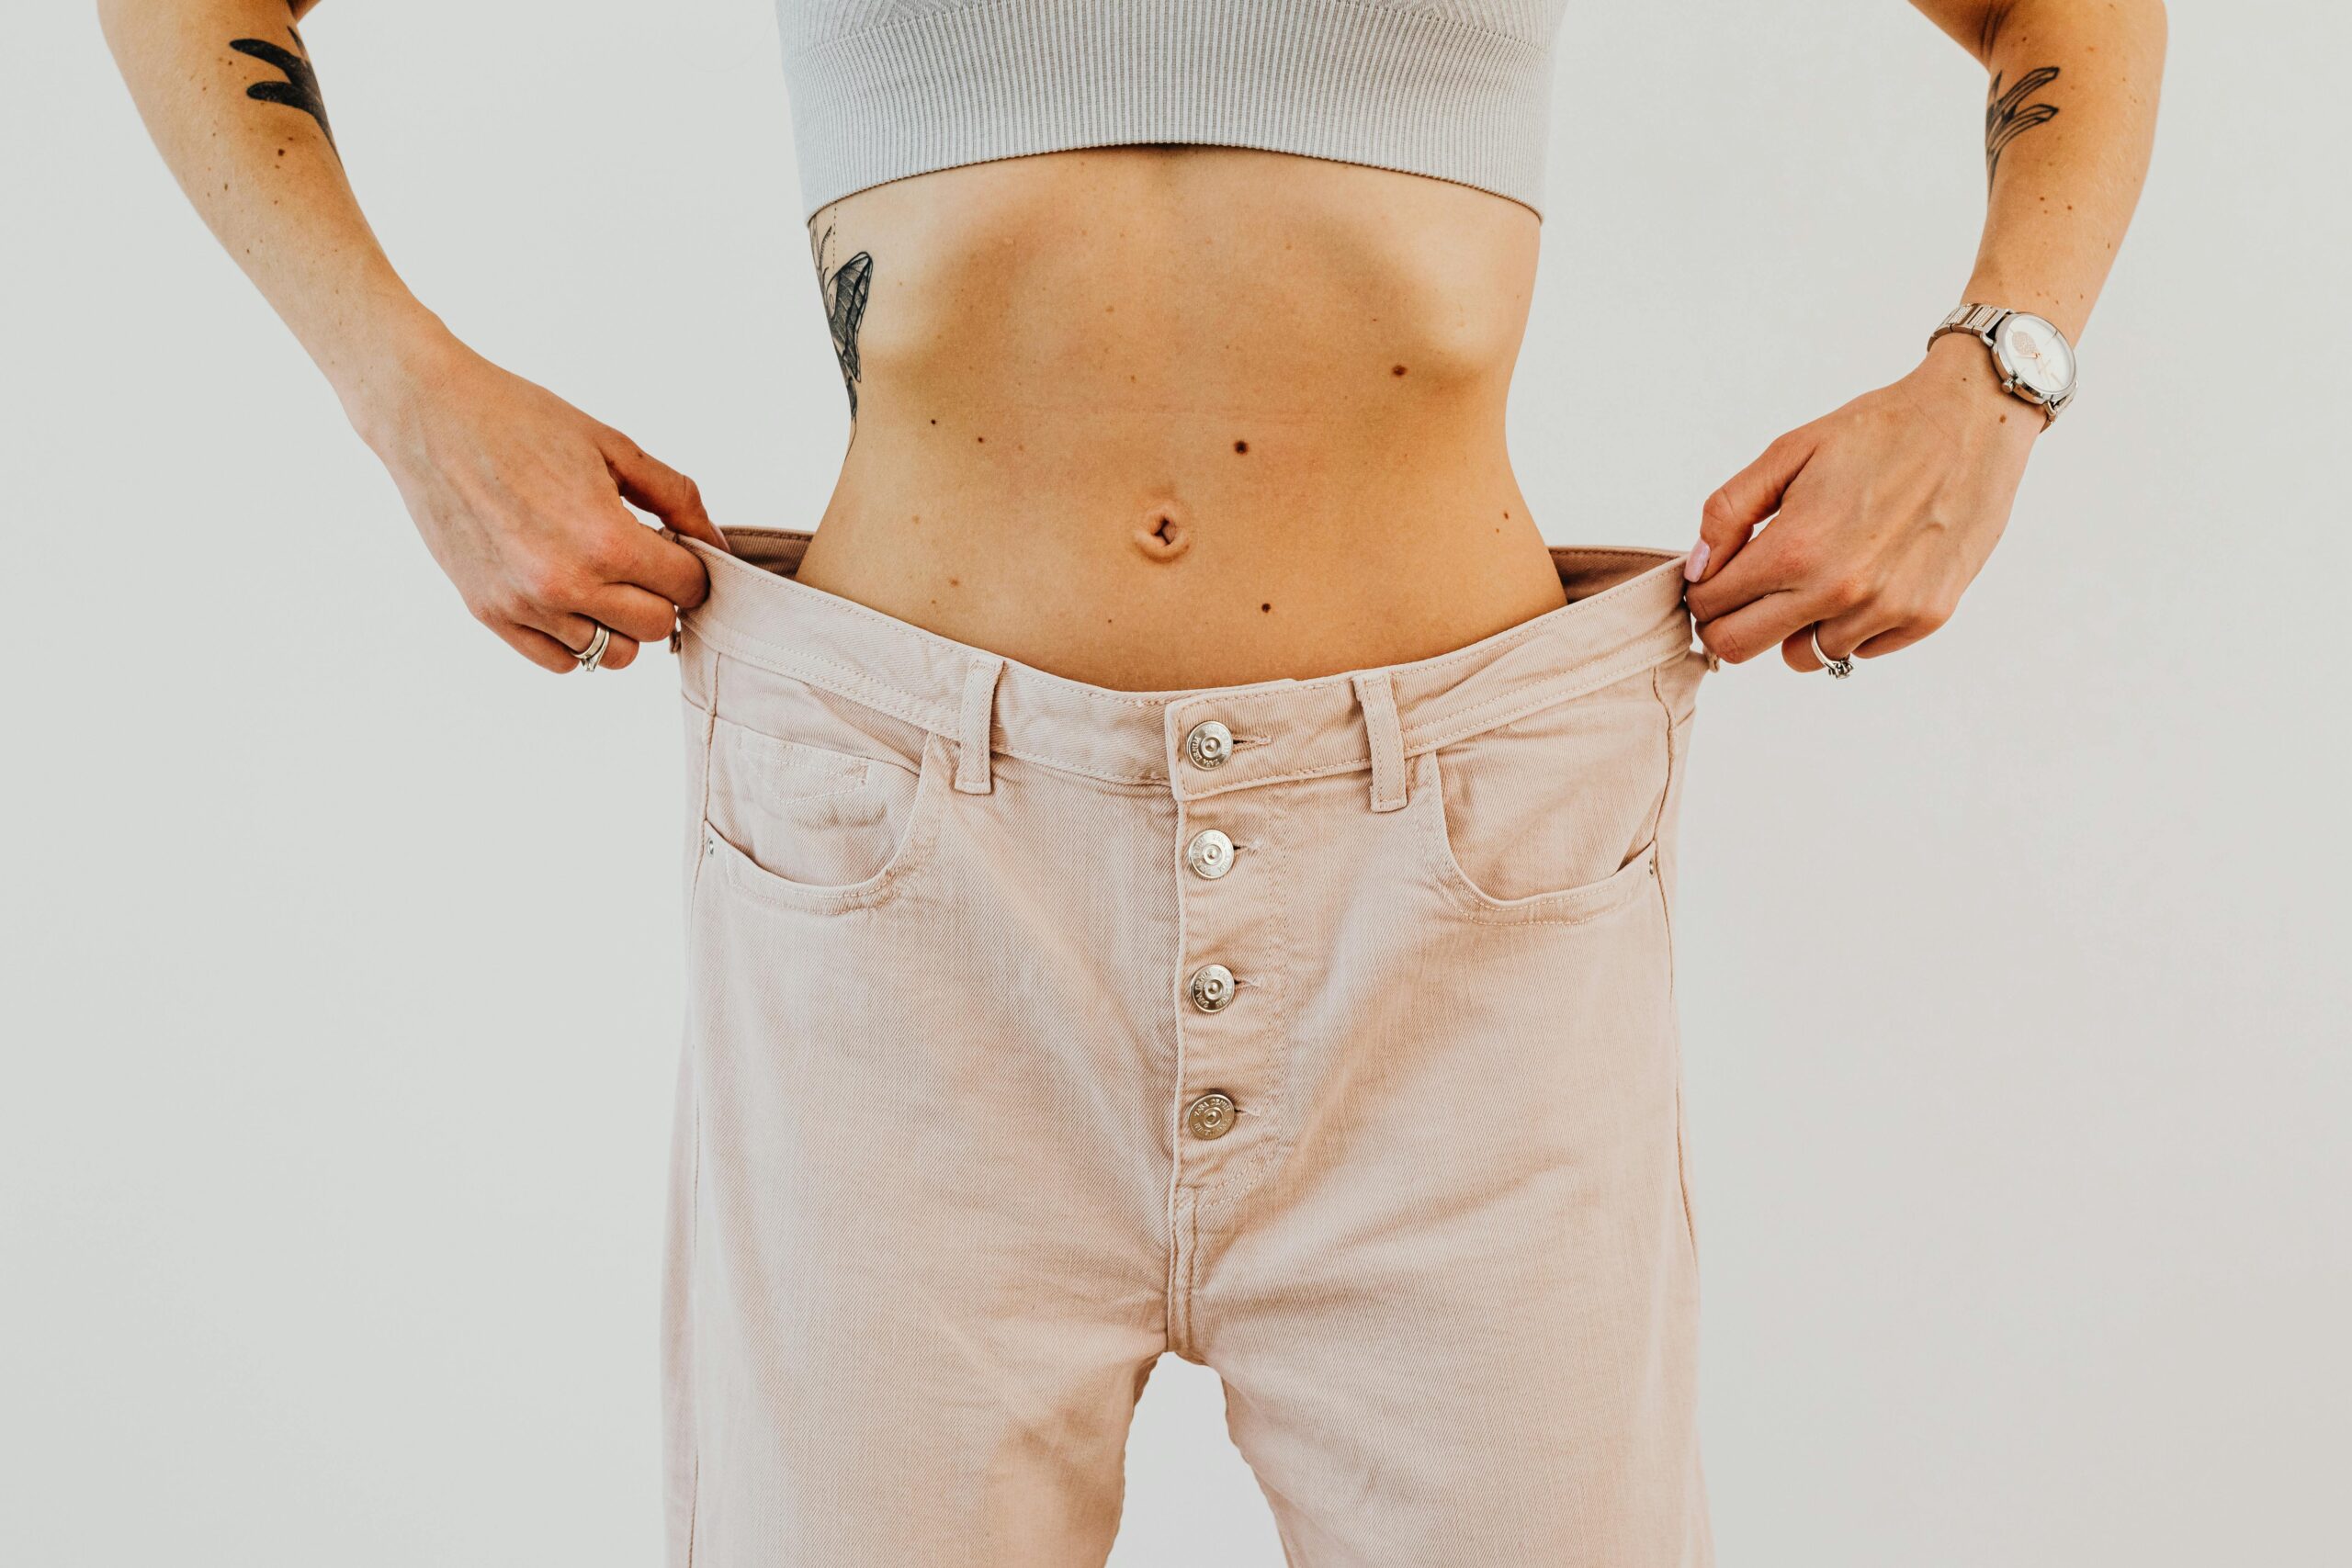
{"x": 1395, "y": 370}
{"x": 1241, "y": 446}
{"x": 1265, "y": 608}
{"x": 954, "y": 582}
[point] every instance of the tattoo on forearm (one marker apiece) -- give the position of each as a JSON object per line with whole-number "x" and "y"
{"x": 2008, "y": 115}
{"x": 845, "y": 289}
{"x": 300, "y": 90}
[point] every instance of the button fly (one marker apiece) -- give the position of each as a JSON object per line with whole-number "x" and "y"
{"x": 1209, "y": 745}
{"x": 1212, "y": 987}
{"x": 1210, "y": 854}
{"x": 1210, "y": 1116}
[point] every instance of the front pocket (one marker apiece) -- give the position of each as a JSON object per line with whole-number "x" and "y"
{"x": 842, "y": 848}
{"x": 1555, "y": 812}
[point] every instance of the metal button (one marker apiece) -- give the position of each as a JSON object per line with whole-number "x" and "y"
{"x": 1210, "y": 1116}
{"x": 1210, "y": 744}
{"x": 1210, "y": 854}
{"x": 1212, "y": 987}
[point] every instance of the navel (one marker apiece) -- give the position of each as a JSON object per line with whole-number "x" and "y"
{"x": 1164, "y": 533}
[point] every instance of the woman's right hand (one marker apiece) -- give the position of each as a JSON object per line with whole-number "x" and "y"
{"x": 519, "y": 496}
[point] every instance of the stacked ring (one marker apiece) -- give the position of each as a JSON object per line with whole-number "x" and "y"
{"x": 1839, "y": 668}
{"x": 594, "y": 654}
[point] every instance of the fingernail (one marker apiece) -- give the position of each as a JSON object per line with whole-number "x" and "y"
{"x": 1696, "y": 567}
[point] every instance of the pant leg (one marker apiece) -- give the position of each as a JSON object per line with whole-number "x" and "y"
{"x": 1456, "y": 1317}
{"x": 919, "y": 1241}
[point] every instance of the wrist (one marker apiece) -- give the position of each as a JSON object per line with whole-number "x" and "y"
{"x": 378, "y": 369}
{"x": 1960, "y": 371}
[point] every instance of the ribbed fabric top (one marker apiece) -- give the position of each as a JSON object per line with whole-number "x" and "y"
{"x": 881, "y": 89}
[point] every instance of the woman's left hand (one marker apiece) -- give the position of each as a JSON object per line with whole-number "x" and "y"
{"x": 1886, "y": 510}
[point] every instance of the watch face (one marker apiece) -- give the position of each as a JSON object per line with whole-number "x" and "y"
{"x": 2036, "y": 355}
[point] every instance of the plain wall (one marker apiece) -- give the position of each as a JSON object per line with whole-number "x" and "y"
{"x": 339, "y": 961}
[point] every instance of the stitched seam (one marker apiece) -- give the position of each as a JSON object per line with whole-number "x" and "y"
{"x": 860, "y": 687}
{"x": 1581, "y": 681}
{"x": 1500, "y": 643}
{"x": 865, "y": 766}
{"x": 1182, "y": 1090}
{"x": 694, "y": 1242}
{"x": 1462, "y": 728}
{"x": 856, "y": 685}
{"x": 757, "y": 881}
{"x": 1278, "y": 1029}
{"x": 1673, "y": 1004}
{"x": 1476, "y": 904}
{"x": 702, "y": 807}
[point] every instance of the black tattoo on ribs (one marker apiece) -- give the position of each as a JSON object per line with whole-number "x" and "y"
{"x": 845, "y": 288}
{"x": 2008, "y": 115}
{"x": 300, "y": 90}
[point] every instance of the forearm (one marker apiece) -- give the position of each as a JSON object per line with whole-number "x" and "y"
{"x": 2070, "y": 119}
{"x": 226, "y": 93}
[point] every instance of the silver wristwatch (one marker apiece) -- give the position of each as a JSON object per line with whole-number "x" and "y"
{"x": 2034, "y": 359}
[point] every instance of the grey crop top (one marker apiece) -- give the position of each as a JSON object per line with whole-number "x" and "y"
{"x": 880, "y": 89}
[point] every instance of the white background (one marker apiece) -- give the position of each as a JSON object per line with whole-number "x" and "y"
{"x": 339, "y": 968}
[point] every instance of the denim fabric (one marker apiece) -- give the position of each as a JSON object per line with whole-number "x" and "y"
{"x": 940, "y": 1202}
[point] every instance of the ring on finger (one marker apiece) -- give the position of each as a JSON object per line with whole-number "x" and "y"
{"x": 594, "y": 654}
{"x": 1839, "y": 668}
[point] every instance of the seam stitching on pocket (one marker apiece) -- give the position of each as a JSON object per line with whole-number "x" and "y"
{"x": 1476, "y": 904}
{"x": 756, "y": 881}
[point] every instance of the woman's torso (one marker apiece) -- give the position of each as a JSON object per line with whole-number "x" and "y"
{"x": 1156, "y": 417}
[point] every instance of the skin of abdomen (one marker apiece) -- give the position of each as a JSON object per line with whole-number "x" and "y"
{"x": 1165, "y": 417}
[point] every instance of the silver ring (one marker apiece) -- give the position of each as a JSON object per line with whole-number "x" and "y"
{"x": 594, "y": 654}
{"x": 1838, "y": 668}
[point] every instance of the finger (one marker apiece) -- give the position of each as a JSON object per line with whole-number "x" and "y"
{"x": 538, "y": 647}
{"x": 649, "y": 482}
{"x": 642, "y": 558}
{"x": 1756, "y": 627}
{"x": 632, "y": 611}
{"x": 1905, "y": 630}
{"x": 573, "y": 634}
{"x": 1782, "y": 558}
{"x": 1743, "y": 500}
{"x": 620, "y": 653}
{"x": 576, "y": 632}
{"x": 1841, "y": 636}
{"x": 574, "y": 628}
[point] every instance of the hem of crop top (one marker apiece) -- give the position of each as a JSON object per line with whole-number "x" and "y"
{"x": 1384, "y": 86}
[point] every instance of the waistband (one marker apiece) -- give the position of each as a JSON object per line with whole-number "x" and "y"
{"x": 1626, "y": 615}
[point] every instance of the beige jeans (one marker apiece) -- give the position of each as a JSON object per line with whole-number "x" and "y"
{"x": 1320, "y": 1031}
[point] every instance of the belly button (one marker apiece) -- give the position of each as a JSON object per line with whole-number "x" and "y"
{"x": 1163, "y": 535}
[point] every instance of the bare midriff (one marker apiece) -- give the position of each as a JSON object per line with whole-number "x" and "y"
{"x": 1156, "y": 418}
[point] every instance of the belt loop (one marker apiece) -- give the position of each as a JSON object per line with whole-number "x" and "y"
{"x": 973, "y": 734}
{"x": 1387, "y": 739}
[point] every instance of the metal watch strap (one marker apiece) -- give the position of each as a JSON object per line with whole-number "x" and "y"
{"x": 1978, "y": 322}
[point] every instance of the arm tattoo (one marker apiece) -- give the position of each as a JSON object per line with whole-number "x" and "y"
{"x": 2008, "y": 115}
{"x": 300, "y": 90}
{"x": 845, "y": 289}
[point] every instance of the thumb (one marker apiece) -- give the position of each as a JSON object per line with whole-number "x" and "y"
{"x": 647, "y": 481}
{"x": 1744, "y": 501}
